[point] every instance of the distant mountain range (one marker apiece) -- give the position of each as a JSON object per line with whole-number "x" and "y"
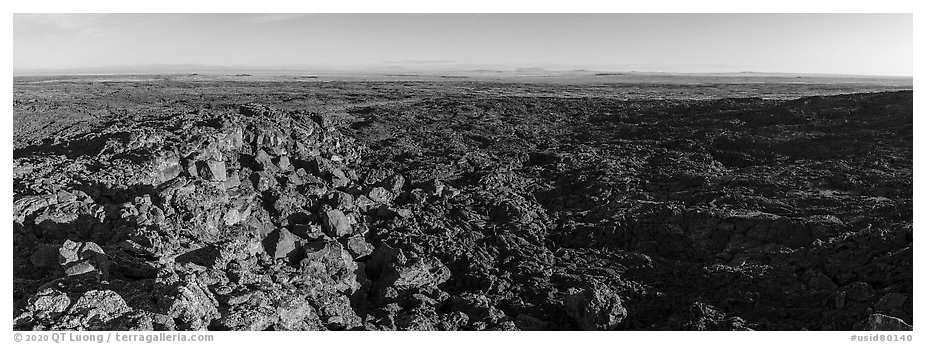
{"x": 425, "y": 69}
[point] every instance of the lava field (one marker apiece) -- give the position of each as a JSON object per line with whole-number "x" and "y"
{"x": 182, "y": 205}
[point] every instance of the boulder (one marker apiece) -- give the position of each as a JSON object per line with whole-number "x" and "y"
{"x": 245, "y": 319}
{"x": 417, "y": 273}
{"x": 380, "y": 195}
{"x": 94, "y": 310}
{"x": 166, "y": 167}
{"x": 284, "y": 164}
{"x": 394, "y": 183}
{"x": 282, "y": 244}
{"x": 327, "y": 258}
{"x": 358, "y": 246}
{"x": 232, "y": 180}
{"x": 49, "y": 303}
{"x": 341, "y": 200}
{"x": 79, "y": 258}
{"x": 213, "y": 170}
{"x": 28, "y": 205}
{"x": 335, "y": 311}
{"x": 293, "y": 179}
{"x": 308, "y": 231}
{"x": 365, "y": 204}
{"x": 338, "y": 178}
{"x": 296, "y": 314}
{"x": 264, "y": 181}
{"x": 595, "y": 307}
{"x": 190, "y": 304}
{"x": 335, "y": 223}
{"x": 265, "y": 162}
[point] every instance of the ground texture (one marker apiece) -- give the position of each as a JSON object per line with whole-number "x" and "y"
{"x": 181, "y": 205}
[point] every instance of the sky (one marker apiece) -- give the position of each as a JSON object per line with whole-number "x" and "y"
{"x": 869, "y": 44}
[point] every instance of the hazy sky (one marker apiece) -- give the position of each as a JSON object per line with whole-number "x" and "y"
{"x": 878, "y": 44}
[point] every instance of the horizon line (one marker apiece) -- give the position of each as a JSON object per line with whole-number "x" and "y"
{"x": 185, "y": 68}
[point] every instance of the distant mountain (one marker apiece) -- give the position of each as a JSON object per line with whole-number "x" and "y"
{"x": 423, "y": 69}
{"x": 530, "y": 70}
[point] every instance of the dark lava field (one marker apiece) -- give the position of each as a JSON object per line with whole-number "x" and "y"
{"x": 173, "y": 203}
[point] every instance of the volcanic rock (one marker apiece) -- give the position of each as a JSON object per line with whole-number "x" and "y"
{"x": 881, "y": 322}
{"x": 380, "y": 195}
{"x": 422, "y": 206}
{"x": 890, "y": 301}
{"x": 79, "y": 258}
{"x": 282, "y": 244}
{"x": 595, "y": 308}
{"x": 297, "y": 314}
{"x": 328, "y": 258}
{"x": 94, "y": 309}
{"x": 190, "y": 304}
{"x": 214, "y": 170}
{"x": 335, "y": 223}
{"x": 358, "y": 246}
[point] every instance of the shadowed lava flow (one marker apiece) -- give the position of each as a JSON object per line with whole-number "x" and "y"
{"x": 459, "y": 212}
